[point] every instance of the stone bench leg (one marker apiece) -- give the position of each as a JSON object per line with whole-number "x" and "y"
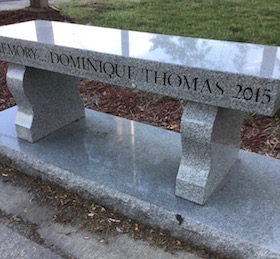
{"x": 210, "y": 139}
{"x": 46, "y": 101}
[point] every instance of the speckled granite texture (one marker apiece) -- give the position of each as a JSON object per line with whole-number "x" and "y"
{"x": 47, "y": 101}
{"x": 210, "y": 138}
{"x": 132, "y": 167}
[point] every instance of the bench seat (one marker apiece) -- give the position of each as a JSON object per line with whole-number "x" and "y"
{"x": 219, "y": 80}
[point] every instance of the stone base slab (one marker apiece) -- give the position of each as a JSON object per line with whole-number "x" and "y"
{"x": 132, "y": 167}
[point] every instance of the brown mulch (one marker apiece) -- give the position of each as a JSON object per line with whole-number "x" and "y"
{"x": 259, "y": 134}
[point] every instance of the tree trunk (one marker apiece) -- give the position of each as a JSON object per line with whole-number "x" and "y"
{"x": 39, "y": 4}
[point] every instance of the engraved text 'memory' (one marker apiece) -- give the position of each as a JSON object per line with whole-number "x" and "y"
{"x": 18, "y": 51}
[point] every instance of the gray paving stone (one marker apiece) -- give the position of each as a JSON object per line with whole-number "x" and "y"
{"x": 13, "y": 246}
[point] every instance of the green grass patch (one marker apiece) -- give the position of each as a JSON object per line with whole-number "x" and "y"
{"x": 255, "y": 21}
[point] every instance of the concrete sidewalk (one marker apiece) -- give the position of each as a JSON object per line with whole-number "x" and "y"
{"x": 19, "y": 4}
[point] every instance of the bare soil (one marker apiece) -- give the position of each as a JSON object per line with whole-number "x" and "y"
{"x": 259, "y": 134}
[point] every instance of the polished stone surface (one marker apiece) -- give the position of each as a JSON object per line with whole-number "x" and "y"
{"x": 210, "y": 138}
{"x": 227, "y": 74}
{"x": 101, "y": 147}
{"x": 132, "y": 167}
{"x": 47, "y": 101}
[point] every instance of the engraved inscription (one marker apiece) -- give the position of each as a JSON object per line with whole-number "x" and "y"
{"x": 18, "y": 51}
{"x": 93, "y": 65}
{"x": 167, "y": 79}
{"x": 183, "y": 82}
{"x": 130, "y": 72}
{"x": 257, "y": 95}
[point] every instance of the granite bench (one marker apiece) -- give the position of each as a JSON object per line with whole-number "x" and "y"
{"x": 219, "y": 80}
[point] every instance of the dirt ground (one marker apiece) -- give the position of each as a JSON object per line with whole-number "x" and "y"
{"x": 259, "y": 134}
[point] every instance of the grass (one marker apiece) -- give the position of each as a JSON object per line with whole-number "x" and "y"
{"x": 254, "y": 21}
